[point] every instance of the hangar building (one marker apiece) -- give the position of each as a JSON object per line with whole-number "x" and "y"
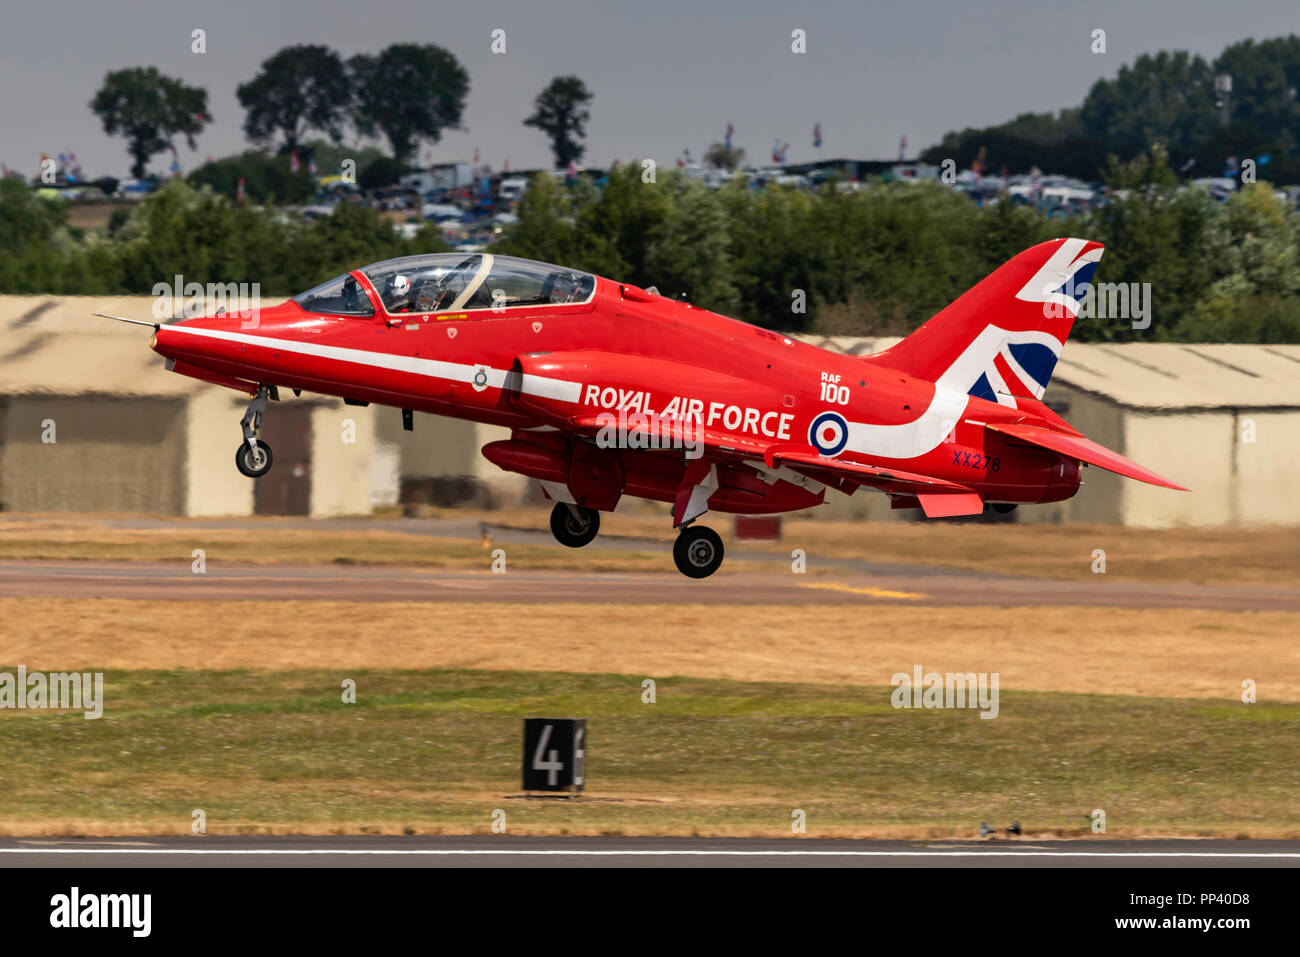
{"x": 91, "y": 421}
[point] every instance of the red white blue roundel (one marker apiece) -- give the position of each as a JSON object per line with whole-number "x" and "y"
{"x": 829, "y": 433}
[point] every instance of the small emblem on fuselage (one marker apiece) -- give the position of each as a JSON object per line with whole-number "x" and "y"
{"x": 480, "y": 378}
{"x": 829, "y": 433}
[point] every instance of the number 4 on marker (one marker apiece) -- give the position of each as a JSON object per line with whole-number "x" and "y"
{"x": 553, "y": 767}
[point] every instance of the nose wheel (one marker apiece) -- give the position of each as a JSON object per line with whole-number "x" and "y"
{"x": 253, "y": 458}
{"x": 574, "y": 525}
{"x": 697, "y": 551}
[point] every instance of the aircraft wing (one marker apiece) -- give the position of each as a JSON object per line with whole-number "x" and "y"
{"x": 861, "y": 474}
{"x": 1085, "y": 450}
{"x": 939, "y": 498}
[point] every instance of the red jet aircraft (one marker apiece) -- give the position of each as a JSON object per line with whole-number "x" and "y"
{"x": 611, "y": 390}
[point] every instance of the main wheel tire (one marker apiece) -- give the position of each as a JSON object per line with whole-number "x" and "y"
{"x": 253, "y": 464}
{"x": 698, "y": 551}
{"x": 574, "y": 530}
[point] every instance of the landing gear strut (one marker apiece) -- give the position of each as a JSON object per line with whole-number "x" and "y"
{"x": 253, "y": 458}
{"x": 697, "y": 551}
{"x": 574, "y": 525}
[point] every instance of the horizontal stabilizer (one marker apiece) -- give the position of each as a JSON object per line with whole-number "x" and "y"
{"x": 1085, "y": 450}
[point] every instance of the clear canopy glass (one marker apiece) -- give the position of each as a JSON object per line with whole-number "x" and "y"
{"x": 453, "y": 282}
{"x": 341, "y": 296}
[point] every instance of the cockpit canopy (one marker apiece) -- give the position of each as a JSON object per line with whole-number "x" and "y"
{"x": 451, "y": 282}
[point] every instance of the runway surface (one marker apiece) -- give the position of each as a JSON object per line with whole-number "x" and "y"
{"x": 888, "y": 583}
{"x": 834, "y": 581}
{"x": 506, "y": 851}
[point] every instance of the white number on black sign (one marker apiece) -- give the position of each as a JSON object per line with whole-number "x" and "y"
{"x": 552, "y": 766}
{"x": 579, "y": 756}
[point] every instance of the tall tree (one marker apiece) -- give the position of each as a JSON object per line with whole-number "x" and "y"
{"x": 1265, "y": 81}
{"x": 725, "y": 157}
{"x": 1166, "y": 98}
{"x": 408, "y": 92}
{"x": 299, "y": 88}
{"x": 560, "y": 112}
{"x": 149, "y": 109}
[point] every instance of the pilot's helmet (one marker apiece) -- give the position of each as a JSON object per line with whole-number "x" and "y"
{"x": 401, "y": 285}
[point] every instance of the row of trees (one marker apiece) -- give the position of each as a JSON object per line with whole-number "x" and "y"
{"x": 196, "y": 233}
{"x": 1168, "y": 98}
{"x": 409, "y": 93}
{"x": 870, "y": 262}
{"x": 881, "y": 261}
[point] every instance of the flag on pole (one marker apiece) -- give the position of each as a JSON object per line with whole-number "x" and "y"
{"x": 726, "y": 143}
{"x": 817, "y": 136}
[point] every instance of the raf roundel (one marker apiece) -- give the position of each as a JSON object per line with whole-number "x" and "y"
{"x": 829, "y": 433}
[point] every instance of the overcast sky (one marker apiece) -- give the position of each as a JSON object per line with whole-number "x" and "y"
{"x": 666, "y": 74}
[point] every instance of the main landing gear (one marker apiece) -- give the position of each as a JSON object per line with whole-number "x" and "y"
{"x": 697, "y": 551}
{"x": 253, "y": 458}
{"x": 574, "y": 525}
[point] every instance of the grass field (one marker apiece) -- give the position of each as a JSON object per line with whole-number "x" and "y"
{"x": 439, "y": 751}
{"x": 1180, "y": 653}
{"x": 234, "y": 707}
{"x": 1267, "y": 556}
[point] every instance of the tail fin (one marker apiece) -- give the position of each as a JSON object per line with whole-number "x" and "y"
{"x": 1002, "y": 338}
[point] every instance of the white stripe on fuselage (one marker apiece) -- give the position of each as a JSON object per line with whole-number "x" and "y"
{"x": 560, "y": 389}
{"x": 905, "y": 441}
{"x": 911, "y": 439}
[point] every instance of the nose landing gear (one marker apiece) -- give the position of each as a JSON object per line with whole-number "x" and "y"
{"x": 253, "y": 458}
{"x": 697, "y": 551}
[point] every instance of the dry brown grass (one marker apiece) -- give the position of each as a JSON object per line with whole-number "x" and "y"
{"x": 1162, "y": 653}
{"x": 1262, "y": 556}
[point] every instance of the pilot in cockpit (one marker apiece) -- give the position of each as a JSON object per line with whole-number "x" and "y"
{"x": 397, "y": 297}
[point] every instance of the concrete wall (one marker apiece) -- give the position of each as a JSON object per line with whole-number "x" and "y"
{"x": 343, "y": 445}
{"x": 109, "y": 455}
{"x": 441, "y": 448}
{"x": 1194, "y": 450}
{"x": 1265, "y": 469}
{"x": 212, "y": 434}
